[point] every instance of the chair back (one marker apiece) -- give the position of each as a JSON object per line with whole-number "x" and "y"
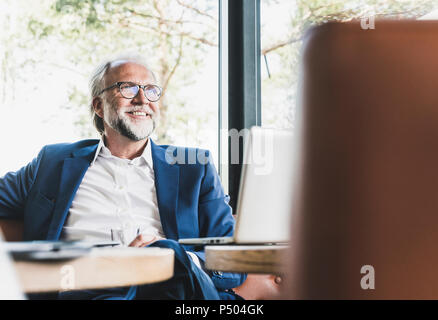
{"x": 365, "y": 223}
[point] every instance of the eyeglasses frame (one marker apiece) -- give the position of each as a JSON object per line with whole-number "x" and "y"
{"x": 119, "y": 83}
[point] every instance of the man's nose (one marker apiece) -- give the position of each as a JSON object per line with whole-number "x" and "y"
{"x": 140, "y": 97}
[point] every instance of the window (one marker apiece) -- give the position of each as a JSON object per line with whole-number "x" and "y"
{"x": 50, "y": 48}
{"x": 283, "y": 24}
{"x": 279, "y": 50}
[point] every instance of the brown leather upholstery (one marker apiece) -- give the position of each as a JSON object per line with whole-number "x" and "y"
{"x": 369, "y": 163}
{"x": 12, "y": 230}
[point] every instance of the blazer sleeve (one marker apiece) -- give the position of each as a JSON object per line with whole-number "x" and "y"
{"x": 216, "y": 220}
{"x": 14, "y": 188}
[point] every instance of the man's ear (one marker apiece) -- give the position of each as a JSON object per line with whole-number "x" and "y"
{"x": 98, "y": 106}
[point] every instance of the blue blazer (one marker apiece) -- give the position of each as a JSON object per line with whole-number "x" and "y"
{"x": 190, "y": 197}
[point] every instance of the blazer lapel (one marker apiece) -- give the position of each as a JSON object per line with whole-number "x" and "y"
{"x": 75, "y": 167}
{"x": 167, "y": 185}
{"x": 73, "y": 171}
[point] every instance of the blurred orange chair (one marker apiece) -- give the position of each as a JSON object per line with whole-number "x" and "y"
{"x": 368, "y": 130}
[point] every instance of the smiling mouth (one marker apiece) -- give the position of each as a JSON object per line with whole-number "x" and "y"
{"x": 139, "y": 114}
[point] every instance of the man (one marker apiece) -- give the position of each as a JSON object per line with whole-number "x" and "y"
{"x": 125, "y": 187}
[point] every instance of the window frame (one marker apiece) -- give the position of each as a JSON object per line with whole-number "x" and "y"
{"x": 239, "y": 82}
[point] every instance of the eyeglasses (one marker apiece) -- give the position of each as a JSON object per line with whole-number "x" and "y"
{"x": 130, "y": 90}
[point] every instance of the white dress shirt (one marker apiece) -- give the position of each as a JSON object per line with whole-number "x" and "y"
{"x": 116, "y": 194}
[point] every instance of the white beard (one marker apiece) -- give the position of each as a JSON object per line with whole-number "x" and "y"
{"x": 133, "y": 129}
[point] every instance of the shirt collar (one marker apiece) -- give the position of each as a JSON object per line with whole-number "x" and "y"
{"x": 103, "y": 151}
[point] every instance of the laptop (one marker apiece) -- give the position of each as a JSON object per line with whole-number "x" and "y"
{"x": 265, "y": 193}
{"x": 9, "y": 286}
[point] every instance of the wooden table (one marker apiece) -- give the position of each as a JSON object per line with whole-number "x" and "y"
{"x": 269, "y": 259}
{"x": 101, "y": 268}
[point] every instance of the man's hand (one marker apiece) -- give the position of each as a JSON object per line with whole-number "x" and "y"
{"x": 143, "y": 240}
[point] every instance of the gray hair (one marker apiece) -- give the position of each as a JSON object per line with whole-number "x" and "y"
{"x": 97, "y": 82}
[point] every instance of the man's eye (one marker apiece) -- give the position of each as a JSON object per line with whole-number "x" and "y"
{"x": 127, "y": 86}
